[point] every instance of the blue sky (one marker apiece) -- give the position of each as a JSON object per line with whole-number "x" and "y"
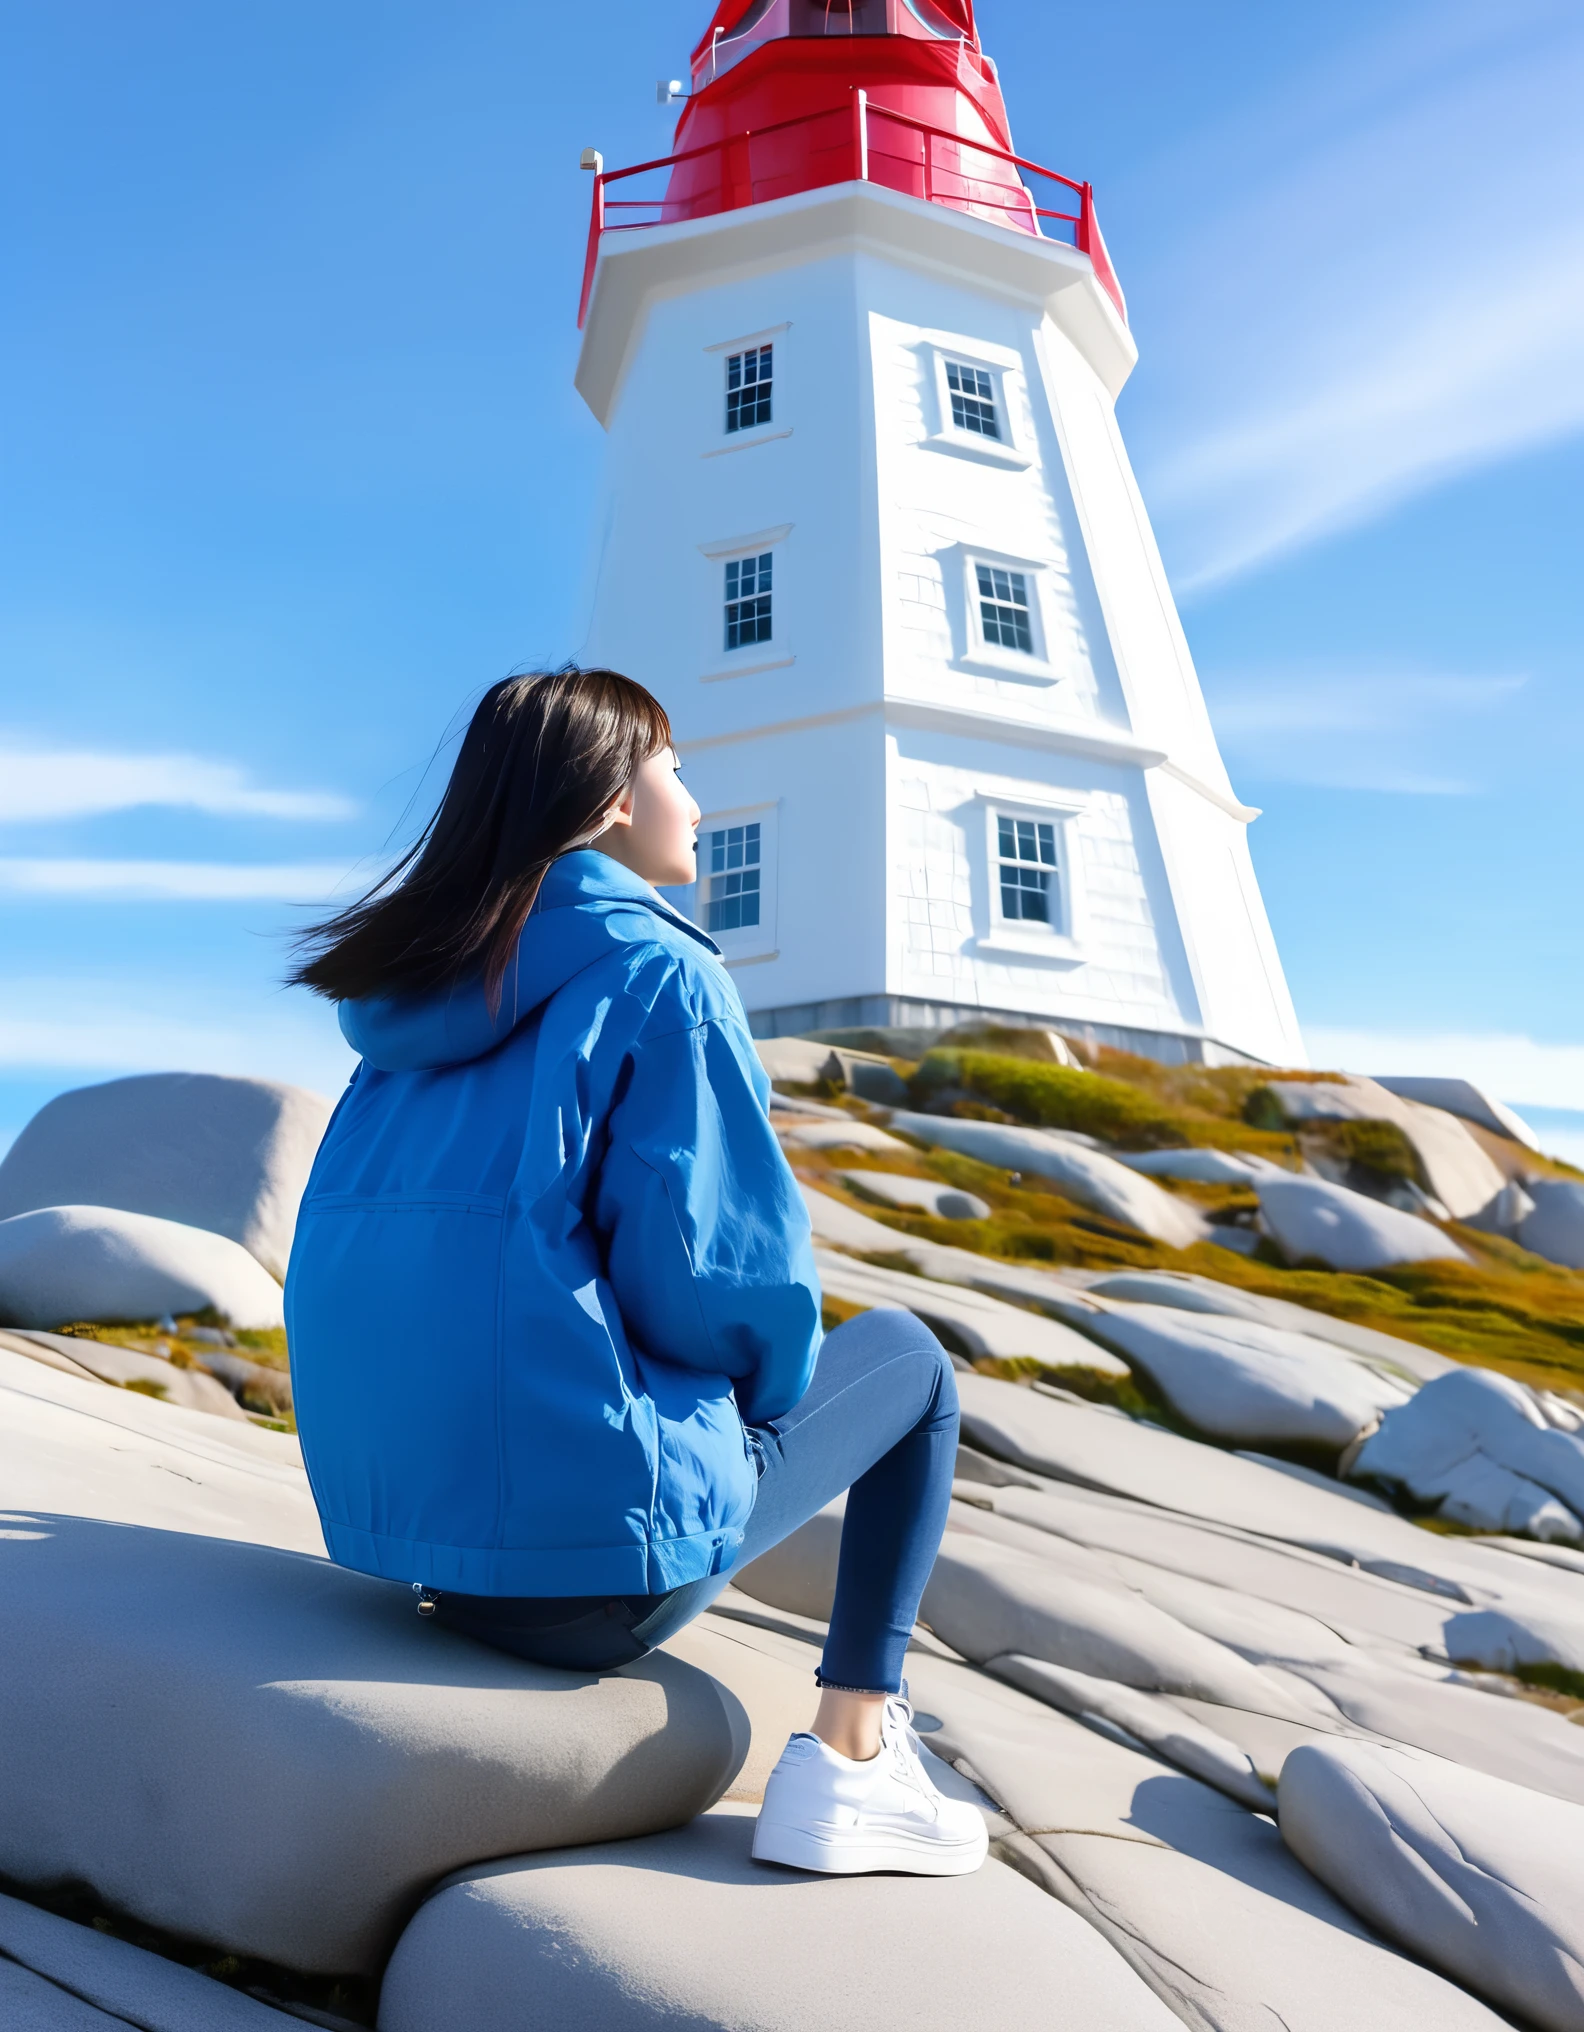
{"x": 294, "y": 466}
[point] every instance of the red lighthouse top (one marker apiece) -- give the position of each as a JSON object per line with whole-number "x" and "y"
{"x": 795, "y": 95}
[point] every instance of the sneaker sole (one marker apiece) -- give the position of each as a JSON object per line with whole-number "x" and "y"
{"x": 800, "y": 1849}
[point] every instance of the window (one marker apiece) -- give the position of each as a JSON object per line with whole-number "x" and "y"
{"x": 731, "y": 867}
{"x": 1026, "y": 868}
{"x": 748, "y": 601}
{"x": 972, "y": 395}
{"x": 748, "y": 388}
{"x": 1004, "y": 608}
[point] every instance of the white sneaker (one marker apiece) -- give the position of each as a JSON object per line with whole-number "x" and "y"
{"x": 824, "y": 1812}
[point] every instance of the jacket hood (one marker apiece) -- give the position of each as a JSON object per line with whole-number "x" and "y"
{"x": 588, "y": 905}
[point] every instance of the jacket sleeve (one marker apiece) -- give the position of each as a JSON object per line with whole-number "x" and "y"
{"x": 707, "y": 1237}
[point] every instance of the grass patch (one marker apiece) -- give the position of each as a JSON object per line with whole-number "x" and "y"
{"x": 1552, "y": 1679}
{"x": 1116, "y": 1111}
{"x": 146, "y": 1387}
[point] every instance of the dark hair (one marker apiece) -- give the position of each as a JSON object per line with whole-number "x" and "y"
{"x": 544, "y": 758}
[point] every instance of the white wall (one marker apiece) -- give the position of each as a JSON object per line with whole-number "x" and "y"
{"x": 873, "y": 723}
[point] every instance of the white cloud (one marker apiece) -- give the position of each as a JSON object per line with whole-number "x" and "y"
{"x": 172, "y": 881}
{"x": 104, "y": 1028}
{"x": 1392, "y": 303}
{"x": 59, "y": 783}
{"x": 1346, "y": 731}
{"x": 1516, "y": 1069}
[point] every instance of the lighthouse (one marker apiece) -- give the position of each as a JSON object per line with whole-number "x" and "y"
{"x": 871, "y": 534}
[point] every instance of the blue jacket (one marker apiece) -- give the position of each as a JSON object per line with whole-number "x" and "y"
{"x": 547, "y": 1264}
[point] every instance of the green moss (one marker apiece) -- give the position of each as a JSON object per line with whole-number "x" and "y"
{"x": 1092, "y": 1103}
{"x": 146, "y": 1387}
{"x": 1552, "y": 1678}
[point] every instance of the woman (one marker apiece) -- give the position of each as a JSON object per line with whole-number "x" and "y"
{"x": 552, "y": 1304}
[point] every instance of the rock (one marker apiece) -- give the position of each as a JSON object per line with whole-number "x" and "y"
{"x": 111, "y": 1983}
{"x": 128, "y": 1367}
{"x": 1383, "y": 1352}
{"x": 684, "y": 1929}
{"x": 1199, "y": 1167}
{"x": 95, "y": 1263}
{"x": 986, "y": 1599}
{"x": 1245, "y": 1382}
{"x": 70, "y": 1446}
{"x": 1311, "y": 1220}
{"x": 274, "y": 1756}
{"x": 1479, "y": 1445}
{"x": 1479, "y": 1878}
{"x": 229, "y": 1155}
{"x": 964, "y": 1319}
{"x": 800, "y": 1060}
{"x": 1152, "y": 1721}
{"x": 1461, "y": 1097}
{"x": 1195, "y": 1891}
{"x": 1088, "y": 1177}
{"x": 920, "y": 1195}
{"x": 849, "y": 1134}
{"x": 1459, "y": 1172}
{"x": 836, "y": 1222}
{"x": 1555, "y": 1229}
{"x": 805, "y": 1061}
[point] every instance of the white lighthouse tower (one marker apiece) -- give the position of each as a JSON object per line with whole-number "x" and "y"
{"x": 872, "y": 536}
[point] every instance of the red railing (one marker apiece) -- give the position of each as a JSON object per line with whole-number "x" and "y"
{"x": 862, "y": 144}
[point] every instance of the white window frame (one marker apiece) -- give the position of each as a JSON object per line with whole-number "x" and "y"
{"x": 777, "y": 653}
{"x": 990, "y": 657}
{"x": 719, "y": 354}
{"x": 756, "y": 941}
{"x": 1006, "y": 450}
{"x": 1062, "y": 940}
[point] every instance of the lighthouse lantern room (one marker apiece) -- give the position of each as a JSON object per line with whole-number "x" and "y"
{"x": 871, "y": 534}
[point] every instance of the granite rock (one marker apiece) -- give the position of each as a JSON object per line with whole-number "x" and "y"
{"x": 1479, "y": 1878}
{"x": 229, "y": 1155}
{"x": 1312, "y": 1220}
{"x": 684, "y": 1929}
{"x": 1088, "y": 1177}
{"x": 65, "y": 1263}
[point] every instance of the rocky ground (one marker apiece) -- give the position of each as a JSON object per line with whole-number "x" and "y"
{"x": 1258, "y": 1629}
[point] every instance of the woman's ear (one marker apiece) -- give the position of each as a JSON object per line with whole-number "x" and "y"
{"x": 620, "y": 813}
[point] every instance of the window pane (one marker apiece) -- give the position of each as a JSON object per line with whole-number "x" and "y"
{"x": 1026, "y": 865}
{"x": 748, "y": 388}
{"x": 1004, "y": 608}
{"x": 748, "y": 601}
{"x": 972, "y": 399}
{"x": 731, "y": 900}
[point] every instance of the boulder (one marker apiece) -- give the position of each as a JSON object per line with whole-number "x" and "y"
{"x": 75, "y": 1976}
{"x": 1151, "y": 1719}
{"x": 1088, "y": 1177}
{"x": 1480, "y": 1878}
{"x": 1245, "y": 1382}
{"x": 1182, "y": 1289}
{"x": 1463, "y": 1098}
{"x": 1460, "y": 1174}
{"x": 964, "y": 1319}
{"x": 1196, "y": 1892}
{"x": 229, "y": 1155}
{"x": 1199, "y": 1167}
{"x": 986, "y": 1599}
{"x": 69, "y": 1445}
{"x": 1311, "y": 1220}
{"x": 130, "y": 1369}
{"x": 919, "y": 1195}
{"x": 847, "y": 1134}
{"x": 1481, "y": 1447}
{"x": 1555, "y": 1229}
{"x": 685, "y": 1929}
{"x": 270, "y": 1755}
{"x": 94, "y": 1263}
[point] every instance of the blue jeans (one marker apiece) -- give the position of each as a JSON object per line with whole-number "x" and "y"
{"x": 879, "y": 1420}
